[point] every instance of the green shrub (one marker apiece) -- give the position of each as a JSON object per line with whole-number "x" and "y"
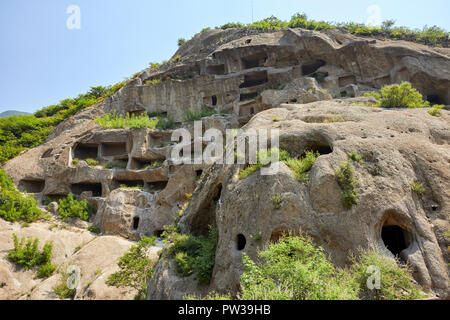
{"x": 26, "y": 254}
{"x": 276, "y": 201}
{"x": 436, "y": 110}
{"x": 116, "y": 164}
{"x": 417, "y": 187}
{"x": 191, "y": 115}
{"x": 166, "y": 124}
{"x": 45, "y": 270}
{"x": 294, "y": 269}
{"x": 94, "y": 229}
{"x": 135, "y": 268}
{"x": 115, "y": 121}
{"x": 346, "y": 179}
{"x": 395, "y": 281}
{"x": 401, "y": 96}
{"x": 183, "y": 264}
{"x": 194, "y": 254}
{"x": 262, "y": 157}
{"x": 62, "y": 290}
{"x": 75, "y": 162}
{"x": 427, "y": 35}
{"x": 70, "y": 207}
{"x": 356, "y": 157}
{"x": 181, "y": 41}
{"x": 303, "y": 165}
{"x": 13, "y": 205}
{"x": 92, "y": 162}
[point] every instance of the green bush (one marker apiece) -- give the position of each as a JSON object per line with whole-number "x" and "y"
{"x": 276, "y": 201}
{"x": 135, "y": 268}
{"x": 181, "y": 41}
{"x": 436, "y": 110}
{"x": 62, "y": 290}
{"x": 294, "y": 269}
{"x": 191, "y": 115}
{"x": 427, "y": 35}
{"x": 92, "y": 162}
{"x": 94, "y": 229}
{"x": 194, "y": 254}
{"x": 166, "y": 124}
{"x": 395, "y": 281}
{"x": 417, "y": 187}
{"x": 401, "y": 96}
{"x": 115, "y": 121}
{"x": 346, "y": 179}
{"x": 356, "y": 157}
{"x": 70, "y": 207}
{"x": 300, "y": 167}
{"x": 13, "y": 205}
{"x": 26, "y": 254}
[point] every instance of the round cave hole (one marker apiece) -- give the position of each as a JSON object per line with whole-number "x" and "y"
{"x": 240, "y": 242}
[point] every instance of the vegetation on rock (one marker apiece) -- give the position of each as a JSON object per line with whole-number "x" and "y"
{"x": 70, "y": 207}
{"x": 295, "y": 269}
{"x": 193, "y": 254}
{"x": 346, "y": 179}
{"x": 13, "y": 205}
{"x": 26, "y": 254}
{"x": 20, "y": 133}
{"x": 135, "y": 269}
{"x": 433, "y": 35}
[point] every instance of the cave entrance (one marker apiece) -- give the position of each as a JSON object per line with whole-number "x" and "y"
{"x": 198, "y": 173}
{"x": 434, "y": 99}
{"x": 310, "y": 68}
{"x": 79, "y": 188}
{"x": 214, "y": 100}
{"x": 216, "y": 69}
{"x": 135, "y": 223}
{"x": 255, "y": 60}
{"x": 394, "y": 238}
{"x": 32, "y": 186}
{"x": 114, "y": 149}
{"x": 240, "y": 242}
{"x": 248, "y": 96}
{"x": 86, "y": 151}
{"x": 254, "y": 79}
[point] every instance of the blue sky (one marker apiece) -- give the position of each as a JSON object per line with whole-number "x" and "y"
{"x": 43, "y": 62}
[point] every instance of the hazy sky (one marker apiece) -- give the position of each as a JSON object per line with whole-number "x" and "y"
{"x": 42, "y": 61}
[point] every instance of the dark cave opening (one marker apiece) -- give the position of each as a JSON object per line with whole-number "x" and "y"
{"x": 394, "y": 239}
{"x": 434, "y": 99}
{"x": 240, "y": 242}
{"x": 32, "y": 186}
{"x": 135, "y": 223}
{"x": 95, "y": 188}
{"x": 214, "y": 100}
{"x": 255, "y": 60}
{"x": 86, "y": 151}
{"x": 310, "y": 68}
{"x": 254, "y": 79}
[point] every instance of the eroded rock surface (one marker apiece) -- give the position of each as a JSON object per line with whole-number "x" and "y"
{"x": 251, "y": 77}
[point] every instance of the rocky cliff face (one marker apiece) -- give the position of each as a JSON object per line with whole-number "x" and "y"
{"x": 251, "y": 77}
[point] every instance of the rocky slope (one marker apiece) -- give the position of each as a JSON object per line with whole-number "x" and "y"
{"x": 251, "y": 77}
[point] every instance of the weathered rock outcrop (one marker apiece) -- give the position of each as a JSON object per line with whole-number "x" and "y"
{"x": 397, "y": 146}
{"x": 250, "y": 77}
